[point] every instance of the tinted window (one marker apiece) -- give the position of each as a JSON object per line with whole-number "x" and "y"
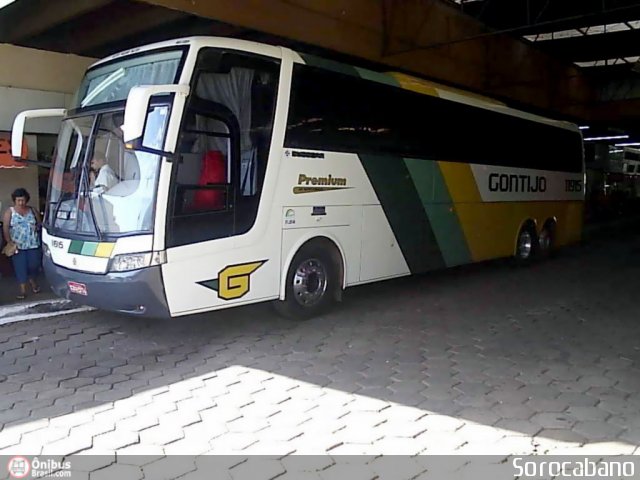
{"x": 337, "y": 112}
{"x": 113, "y": 81}
{"x": 223, "y": 146}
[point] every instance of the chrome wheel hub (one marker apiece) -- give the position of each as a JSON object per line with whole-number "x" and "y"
{"x": 310, "y": 282}
{"x": 525, "y": 245}
{"x": 544, "y": 240}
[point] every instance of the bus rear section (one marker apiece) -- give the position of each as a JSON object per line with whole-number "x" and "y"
{"x": 409, "y": 179}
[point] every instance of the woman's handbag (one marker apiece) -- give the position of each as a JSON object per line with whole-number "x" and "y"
{"x": 10, "y": 249}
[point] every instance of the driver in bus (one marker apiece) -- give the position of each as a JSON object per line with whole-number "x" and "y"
{"x": 101, "y": 176}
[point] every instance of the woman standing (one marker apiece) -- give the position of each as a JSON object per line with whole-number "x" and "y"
{"x": 20, "y": 225}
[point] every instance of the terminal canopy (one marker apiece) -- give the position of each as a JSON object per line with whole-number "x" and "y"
{"x": 6, "y": 159}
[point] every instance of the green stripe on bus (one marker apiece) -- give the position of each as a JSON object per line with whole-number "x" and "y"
{"x": 377, "y": 77}
{"x": 76, "y": 247}
{"x": 404, "y": 211}
{"x": 439, "y": 207}
{"x": 346, "y": 69}
{"x": 319, "y": 62}
{"x": 89, "y": 248}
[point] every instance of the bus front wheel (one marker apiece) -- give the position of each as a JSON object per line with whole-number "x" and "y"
{"x": 311, "y": 286}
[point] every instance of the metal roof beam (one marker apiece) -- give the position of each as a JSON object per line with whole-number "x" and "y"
{"x": 617, "y": 112}
{"x": 186, "y": 26}
{"x": 595, "y": 47}
{"x": 28, "y": 18}
{"x": 532, "y": 17}
{"x": 420, "y": 36}
{"x": 93, "y": 33}
{"x": 584, "y": 21}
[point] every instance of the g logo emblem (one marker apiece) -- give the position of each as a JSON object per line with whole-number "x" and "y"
{"x": 234, "y": 281}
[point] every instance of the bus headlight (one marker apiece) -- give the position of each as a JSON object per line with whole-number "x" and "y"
{"x": 45, "y": 250}
{"x": 135, "y": 261}
{"x": 130, "y": 261}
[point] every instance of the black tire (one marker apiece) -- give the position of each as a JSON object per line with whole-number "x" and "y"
{"x": 546, "y": 241}
{"x": 526, "y": 245}
{"x": 312, "y": 282}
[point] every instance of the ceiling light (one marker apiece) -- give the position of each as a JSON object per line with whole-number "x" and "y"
{"x": 612, "y": 137}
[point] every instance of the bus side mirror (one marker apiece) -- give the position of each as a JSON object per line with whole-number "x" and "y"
{"x": 138, "y": 102}
{"x": 17, "y": 132}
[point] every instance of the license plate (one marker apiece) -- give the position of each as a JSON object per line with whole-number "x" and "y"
{"x": 77, "y": 288}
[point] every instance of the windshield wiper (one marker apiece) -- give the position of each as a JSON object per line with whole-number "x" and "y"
{"x": 86, "y": 194}
{"x": 114, "y": 77}
{"x": 57, "y": 204}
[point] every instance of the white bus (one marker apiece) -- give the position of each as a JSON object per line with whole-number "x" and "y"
{"x": 239, "y": 172}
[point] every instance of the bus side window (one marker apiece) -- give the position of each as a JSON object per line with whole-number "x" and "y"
{"x": 224, "y": 147}
{"x": 203, "y": 193}
{"x": 204, "y": 171}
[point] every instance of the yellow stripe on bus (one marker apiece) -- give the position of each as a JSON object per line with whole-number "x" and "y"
{"x": 460, "y": 182}
{"x": 491, "y": 228}
{"x": 104, "y": 250}
{"x": 434, "y": 89}
{"x": 414, "y": 84}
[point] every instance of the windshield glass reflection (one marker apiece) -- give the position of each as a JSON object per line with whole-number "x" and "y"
{"x": 99, "y": 187}
{"x": 113, "y": 81}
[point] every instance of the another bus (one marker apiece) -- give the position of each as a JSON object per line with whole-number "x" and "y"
{"x": 247, "y": 172}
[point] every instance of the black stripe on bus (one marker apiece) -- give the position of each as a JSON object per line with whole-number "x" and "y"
{"x": 403, "y": 208}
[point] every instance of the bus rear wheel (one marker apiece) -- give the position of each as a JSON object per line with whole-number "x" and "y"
{"x": 526, "y": 245}
{"x": 546, "y": 240}
{"x": 311, "y": 284}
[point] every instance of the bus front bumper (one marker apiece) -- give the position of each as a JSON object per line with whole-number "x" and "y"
{"x": 138, "y": 292}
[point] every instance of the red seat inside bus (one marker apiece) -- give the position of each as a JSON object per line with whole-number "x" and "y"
{"x": 213, "y": 171}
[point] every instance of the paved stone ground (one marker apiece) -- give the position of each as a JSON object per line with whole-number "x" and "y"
{"x": 9, "y": 290}
{"x": 481, "y": 359}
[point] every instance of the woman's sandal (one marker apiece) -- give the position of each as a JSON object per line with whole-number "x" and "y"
{"x": 21, "y": 296}
{"x": 36, "y": 289}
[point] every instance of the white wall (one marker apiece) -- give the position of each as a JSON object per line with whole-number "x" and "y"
{"x": 40, "y": 70}
{"x": 14, "y": 100}
{"x": 32, "y": 79}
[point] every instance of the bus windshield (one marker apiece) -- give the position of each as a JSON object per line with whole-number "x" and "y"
{"x": 98, "y": 187}
{"x": 113, "y": 81}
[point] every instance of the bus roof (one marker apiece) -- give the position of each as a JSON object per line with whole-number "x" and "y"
{"x": 199, "y": 42}
{"x": 428, "y": 87}
{"x": 397, "y": 79}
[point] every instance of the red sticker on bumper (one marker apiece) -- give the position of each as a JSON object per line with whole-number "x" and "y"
{"x": 77, "y": 288}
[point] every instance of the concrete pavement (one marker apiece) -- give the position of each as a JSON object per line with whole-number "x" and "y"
{"x": 480, "y": 359}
